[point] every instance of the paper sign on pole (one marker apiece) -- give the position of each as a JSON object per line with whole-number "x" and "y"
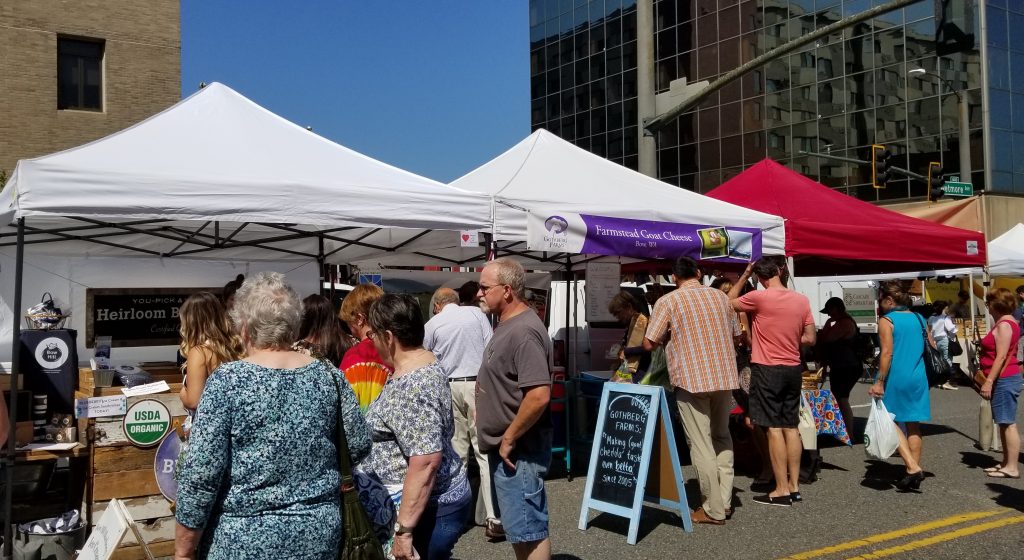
{"x": 603, "y": 283}
{"x": 469, "y": 238}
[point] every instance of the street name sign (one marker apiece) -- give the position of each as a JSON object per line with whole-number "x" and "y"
{"x": 953, "y": 187}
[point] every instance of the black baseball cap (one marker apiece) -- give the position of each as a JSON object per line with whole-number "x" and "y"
{"x": 834, "y": 302}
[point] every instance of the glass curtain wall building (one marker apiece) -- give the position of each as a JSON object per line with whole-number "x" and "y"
{"x": 837, "y": 96}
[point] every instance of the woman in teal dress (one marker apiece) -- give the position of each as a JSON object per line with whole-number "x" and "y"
{"x": 902, "y": 383}
{"x": 261, "y": 477}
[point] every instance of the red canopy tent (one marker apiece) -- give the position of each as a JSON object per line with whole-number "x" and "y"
{"x": 830, "y": 233}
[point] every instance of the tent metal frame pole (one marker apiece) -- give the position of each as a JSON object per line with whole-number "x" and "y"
{"x": 90, "y": 239}
{"x": 326, "y": 233}
{"x": 152, "y": 232}
{"x": 568, "y": 312}
{"x": 320, "y": 264}
{"x": 236, "y": 232}
{"x": 39, "y": 231}
{"x": 12, "y": 453}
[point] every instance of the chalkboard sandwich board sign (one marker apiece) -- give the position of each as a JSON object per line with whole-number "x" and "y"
{"x": 629, "y": 417}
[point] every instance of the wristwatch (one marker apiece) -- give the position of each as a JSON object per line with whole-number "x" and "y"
{"x": 402, "y": 529}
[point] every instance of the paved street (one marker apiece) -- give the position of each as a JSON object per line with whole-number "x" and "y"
{"x": 850, "y": 512}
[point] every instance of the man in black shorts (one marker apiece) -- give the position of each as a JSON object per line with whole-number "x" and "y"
{"x": 780, "y": 322}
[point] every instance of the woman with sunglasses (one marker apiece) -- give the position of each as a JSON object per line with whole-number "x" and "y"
{"x": 902, "y": 383}
{"x": 412, "y": 427}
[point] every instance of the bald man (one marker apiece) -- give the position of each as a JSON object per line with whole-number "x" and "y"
{"x": 457, "y": 335}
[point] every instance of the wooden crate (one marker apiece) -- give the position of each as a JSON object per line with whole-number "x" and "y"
{"x": 123, "y": 471}
{"x": 162, "y": 371}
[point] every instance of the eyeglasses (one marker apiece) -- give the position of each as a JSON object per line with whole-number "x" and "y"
{"x": 484, "y": 288}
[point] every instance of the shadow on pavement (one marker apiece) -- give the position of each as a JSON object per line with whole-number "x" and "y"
{"x": 651, "y": 518}
{"x": 880, "y": 475}
{"x": 938, "y": 429}
{"x": 977, "y": 460}
{"x": 1007, "y": 496}
{"x": 564, "y": 557}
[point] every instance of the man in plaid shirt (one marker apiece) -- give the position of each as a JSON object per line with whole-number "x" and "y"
{"x": 699, "y": 328}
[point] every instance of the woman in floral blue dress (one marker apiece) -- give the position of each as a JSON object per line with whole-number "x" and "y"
{"x": 261, "y": 478}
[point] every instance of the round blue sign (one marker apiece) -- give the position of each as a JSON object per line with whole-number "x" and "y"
{"x": 165, "y": 463}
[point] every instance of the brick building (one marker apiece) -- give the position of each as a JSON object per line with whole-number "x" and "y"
{"x": 77, "y": 70}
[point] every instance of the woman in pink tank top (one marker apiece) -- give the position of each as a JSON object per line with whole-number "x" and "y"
{"x": 1003, "y": 383}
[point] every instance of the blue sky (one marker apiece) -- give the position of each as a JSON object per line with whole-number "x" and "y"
{"x": 436, "y": 87}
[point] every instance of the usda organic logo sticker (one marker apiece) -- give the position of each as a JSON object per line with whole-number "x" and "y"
{"x": 147, "y": 422}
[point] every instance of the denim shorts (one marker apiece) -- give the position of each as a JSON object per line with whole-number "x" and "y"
{"x": 520, "y": 500}
{"x": 1004, "y": 399}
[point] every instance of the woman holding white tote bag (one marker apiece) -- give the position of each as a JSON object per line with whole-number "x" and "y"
{"x": 902, "y": 382}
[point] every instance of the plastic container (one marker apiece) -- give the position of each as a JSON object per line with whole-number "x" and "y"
{"x": 103, "y": 377}
{"x": 592, "y": 382}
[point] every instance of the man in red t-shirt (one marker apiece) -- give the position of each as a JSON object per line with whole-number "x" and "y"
{"x": 780, "y": 322}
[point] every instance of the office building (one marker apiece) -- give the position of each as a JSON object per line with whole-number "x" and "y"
{"x": 893, "y": 80}
{"x": 77, "y": 71}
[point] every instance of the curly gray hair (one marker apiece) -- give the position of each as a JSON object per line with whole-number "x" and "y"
{"x": 267, "y": 312}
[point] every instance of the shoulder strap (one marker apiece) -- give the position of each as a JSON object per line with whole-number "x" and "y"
{"x": 344, "y": 458}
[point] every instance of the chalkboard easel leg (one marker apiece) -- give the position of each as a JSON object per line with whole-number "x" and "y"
{"x": 634, "y": 528}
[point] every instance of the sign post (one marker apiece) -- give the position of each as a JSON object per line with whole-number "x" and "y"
{"x": 630, "y": 417}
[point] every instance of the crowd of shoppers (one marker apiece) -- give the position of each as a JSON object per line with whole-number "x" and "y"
{"x": 269, "y": 379}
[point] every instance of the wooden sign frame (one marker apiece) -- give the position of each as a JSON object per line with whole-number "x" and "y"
{"x": 657, "y": 423}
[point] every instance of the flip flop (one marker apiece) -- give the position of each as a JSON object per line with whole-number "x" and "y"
{"x": 1001, "y": 474}
{"x": 992, "y": 469}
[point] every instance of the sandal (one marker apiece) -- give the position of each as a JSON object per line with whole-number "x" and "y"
{"x": 993, "y": 469}
{"x": 1001, "y": 474}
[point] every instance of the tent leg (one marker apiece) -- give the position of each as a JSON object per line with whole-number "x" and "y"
{"x": 320, "y": 259}
{"x": 9, "y": 458}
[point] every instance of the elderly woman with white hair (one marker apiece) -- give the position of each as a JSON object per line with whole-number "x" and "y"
{"x": 261, "y": 478}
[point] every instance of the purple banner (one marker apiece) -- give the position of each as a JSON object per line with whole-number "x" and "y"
{"x": 665, "y": 240}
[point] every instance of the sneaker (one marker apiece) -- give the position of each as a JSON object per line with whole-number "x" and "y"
{"x": 768, "y": 500}
{"x": 494, "y": 530}
{"x": 948, "y": 386}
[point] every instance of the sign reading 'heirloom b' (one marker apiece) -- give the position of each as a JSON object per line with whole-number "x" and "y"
{"x": 135, "y": 316}
{"x": 633, "y": 457}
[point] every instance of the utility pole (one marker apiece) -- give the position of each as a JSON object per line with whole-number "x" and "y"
{"x": 647, "y": 145}
{"x": 964, "y": 116}
{"x": 659, "y": 122}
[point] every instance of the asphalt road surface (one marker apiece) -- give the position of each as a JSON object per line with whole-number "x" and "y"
{"x": 852, "y": 511}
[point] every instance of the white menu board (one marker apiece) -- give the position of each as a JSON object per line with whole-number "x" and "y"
{"x": 603, "y": 283}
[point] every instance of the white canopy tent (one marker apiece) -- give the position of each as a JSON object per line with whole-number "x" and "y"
{"x": 1006, "y": 253}
{"x": 217, "y": 176}
{"x": 544, "y": 172}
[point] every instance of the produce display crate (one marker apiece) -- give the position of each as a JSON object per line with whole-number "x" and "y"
{"x": 124, "y": 471}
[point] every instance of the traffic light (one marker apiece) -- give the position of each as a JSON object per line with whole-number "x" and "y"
{"x": 880, "y": 164}
{"x": 935, "y": 181}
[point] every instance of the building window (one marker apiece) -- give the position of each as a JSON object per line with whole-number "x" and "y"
{"x": 79, "y": 74}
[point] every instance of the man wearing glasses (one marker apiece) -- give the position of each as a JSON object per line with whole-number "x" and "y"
{"x": 513, "y": 422}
